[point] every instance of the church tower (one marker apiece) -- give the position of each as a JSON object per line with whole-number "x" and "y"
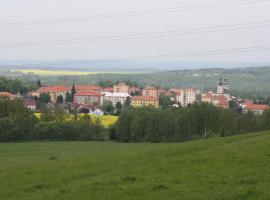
{"x": 222, "y": 86}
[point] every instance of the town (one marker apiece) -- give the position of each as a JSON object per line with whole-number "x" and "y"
{"x": 97, "y": 100}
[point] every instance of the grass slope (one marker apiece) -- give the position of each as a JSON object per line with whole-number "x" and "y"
{"x": 222, "y": 168}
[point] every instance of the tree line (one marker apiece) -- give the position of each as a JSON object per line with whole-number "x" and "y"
{"x": 17, "y": 124}
{"x": 146, "y": 124}
{"x": 181, "y": 124}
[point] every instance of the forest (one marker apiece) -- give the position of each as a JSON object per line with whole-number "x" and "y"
{"x": 181, "y": 124}
{"x": 148, "y": 124}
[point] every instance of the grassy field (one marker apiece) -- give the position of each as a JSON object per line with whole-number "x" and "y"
{"x": 221, "y": 168}
{"x": 44, "y": 72}
{"x": 106, "y": 120}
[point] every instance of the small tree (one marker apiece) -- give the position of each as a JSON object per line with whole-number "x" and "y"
{"x": 38, "y": 83}
{"x": 107, "y": 107}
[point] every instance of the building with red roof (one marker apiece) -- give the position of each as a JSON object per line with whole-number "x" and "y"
{"x": 8, "y": 95}
{"x": 151, "y": 91}
{"x": 30, "y": 104}
{"x": 258, "y": 109}
{"x": 87, "y": 88}
{"x": 87, "y": 98}
{"x": 141, "y": 101}
{"x": 121, "y": 88}
{"x": 54, "y": 91}
{"x": 220, "y": 100}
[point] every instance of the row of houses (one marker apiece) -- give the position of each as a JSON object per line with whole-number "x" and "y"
{"x": 92, "y": 95}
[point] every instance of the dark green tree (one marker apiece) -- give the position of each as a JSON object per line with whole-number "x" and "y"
{"x": 69, "y": 97}
{"x": 73, "y": 92}
{"x": 60, "y": 99}
{"x": 233, "y": 105}
{"x": 118, "y": 107}
{"x": 43, "y": 99}
{"x": 127, "y": 102}
{"x": 165, "y": 102}
{"x": 107, "y": 107}
{"x": 38, "y": 83}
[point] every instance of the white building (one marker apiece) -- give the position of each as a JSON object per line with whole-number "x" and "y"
{"x": 186, "y": 96}
{"x": 115, "y": 97}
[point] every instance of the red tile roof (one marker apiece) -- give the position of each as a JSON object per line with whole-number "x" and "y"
{"x": 144, "y": 98}
{"x": 7, "y": 94}
{"x": 208, "y": 96}
{"x": 29, "y": 103}
{"x": 251, "y": 106}
{"x": 87, "y": 93}
{"x": 87, "y": 87}
{"x": 222, "y": 101}
{"x": 53, "y": 88}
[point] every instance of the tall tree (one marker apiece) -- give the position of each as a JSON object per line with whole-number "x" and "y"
{"x": 127, "y": 102}
{"x": 73, "y": 91}
{"x": 38, "y": 83}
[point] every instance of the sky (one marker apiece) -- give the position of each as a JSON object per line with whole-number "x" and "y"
{"x": 21, "y": 11}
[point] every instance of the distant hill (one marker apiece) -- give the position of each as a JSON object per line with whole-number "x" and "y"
{"x": 242, "y": 81}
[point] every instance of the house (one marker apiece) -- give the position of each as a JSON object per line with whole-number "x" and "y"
{"x": 258, "y": 109}
{"x": 151, "y": 91}
{"x": 141, "y": 101}
{"x": 30, "y": 104}
{"x": 87, "y": 98}
{"x": 220, "y": 100}
{"x": 186, "y": 96}
{"x": 121, "y": 88}
{"x": 54, "y": 91}
{"x": 115, "y": 97}
{"x": 8, "y": 95}
{"x": 96, "y": 111}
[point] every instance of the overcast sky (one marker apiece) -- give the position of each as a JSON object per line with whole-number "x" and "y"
{"x": 29, "y": 10}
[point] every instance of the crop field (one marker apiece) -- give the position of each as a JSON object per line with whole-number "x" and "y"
{"x": 106, "y": 120}
{"x": 230, "y": 168}
{"x": 44, "y": 72}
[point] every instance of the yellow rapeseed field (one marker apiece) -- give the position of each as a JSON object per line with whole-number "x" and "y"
{"x": 43, "y": 72}
{"x": 106, "y": 120}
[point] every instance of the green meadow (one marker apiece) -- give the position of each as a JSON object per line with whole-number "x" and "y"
{"x": 236, "y": 167}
